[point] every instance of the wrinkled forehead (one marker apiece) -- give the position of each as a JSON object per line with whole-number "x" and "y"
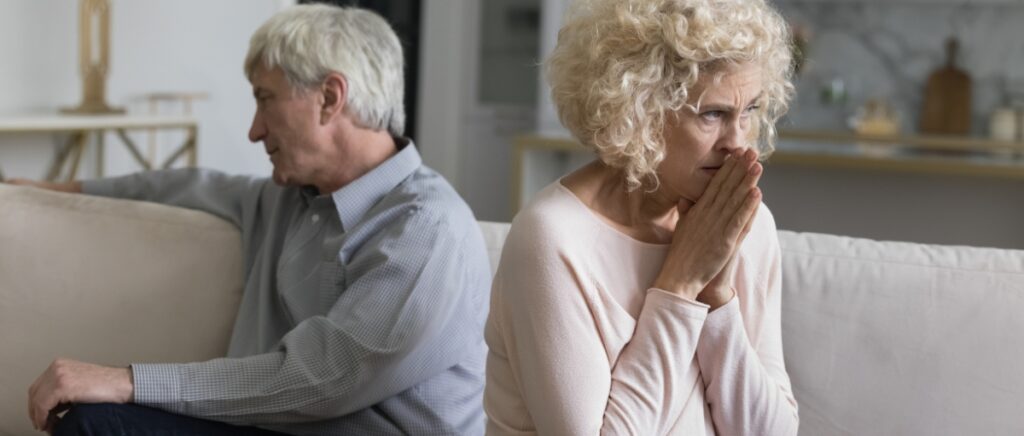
{"x": 728, "y": 81}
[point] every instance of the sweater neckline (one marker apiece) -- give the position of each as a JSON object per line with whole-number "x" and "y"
{"x": 604, "y": 224}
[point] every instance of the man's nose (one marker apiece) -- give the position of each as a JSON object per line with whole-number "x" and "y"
{"x": 257, "y": 131}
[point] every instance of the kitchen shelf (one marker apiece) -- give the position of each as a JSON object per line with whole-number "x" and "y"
{"x": 928, "y": 154}
{"x": 929, "y": 142}
{"x": 539, "y": 160}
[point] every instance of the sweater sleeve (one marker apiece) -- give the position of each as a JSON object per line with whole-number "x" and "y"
{"x": 746, "y": 385}
{"x": 547, "y": 350}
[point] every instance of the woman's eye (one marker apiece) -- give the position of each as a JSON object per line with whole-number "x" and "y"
{"x": 712, "y": 115}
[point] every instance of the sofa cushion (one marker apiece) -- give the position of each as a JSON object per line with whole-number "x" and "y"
{"x": 108, "y": 281}
{"x": 494, "y": 237}
{"x": 901, "y": 338}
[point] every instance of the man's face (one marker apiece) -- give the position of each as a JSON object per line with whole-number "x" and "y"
{"x": 288, "y": 122}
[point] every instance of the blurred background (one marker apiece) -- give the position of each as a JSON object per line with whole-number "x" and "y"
{"x": 908, "y": 123}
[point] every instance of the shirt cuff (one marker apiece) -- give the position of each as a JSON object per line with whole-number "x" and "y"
{"x": 157, "y": 384}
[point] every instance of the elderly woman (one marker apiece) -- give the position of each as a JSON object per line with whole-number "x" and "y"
{"x": 641, "y": 294}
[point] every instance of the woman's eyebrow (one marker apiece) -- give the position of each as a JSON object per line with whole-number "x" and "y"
{"x": 726, "y": 106}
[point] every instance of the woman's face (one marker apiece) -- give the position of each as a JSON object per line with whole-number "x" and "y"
{"x": 697, "y": 142}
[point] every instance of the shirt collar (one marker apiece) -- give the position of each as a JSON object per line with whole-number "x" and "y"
{"x": 354, "y": 199}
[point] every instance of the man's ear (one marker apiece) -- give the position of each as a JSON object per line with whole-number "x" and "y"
{"x": 334, "y": 93}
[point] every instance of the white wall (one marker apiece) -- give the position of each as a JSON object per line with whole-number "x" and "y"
{"x": 156, "y": 45}
{"x": 467, "y": 140}
{"x": 937, "y": 209}
{"x": 443, "y": 100}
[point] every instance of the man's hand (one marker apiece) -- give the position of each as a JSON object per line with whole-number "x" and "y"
{"x": 72, "y": 187}
{"x": 67, "y": 381}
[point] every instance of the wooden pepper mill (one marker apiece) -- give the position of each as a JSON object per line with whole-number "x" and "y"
{"x": 947, "y": 98}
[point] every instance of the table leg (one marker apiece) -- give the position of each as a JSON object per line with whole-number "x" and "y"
{"x": 100, "y": 145}
{"x": 74, "y": 140}
{"x": 193, "y": 155}
{"x": 77, "y": 160}
{"x": 128, "y": 143}
{"x": 188, "y": 147}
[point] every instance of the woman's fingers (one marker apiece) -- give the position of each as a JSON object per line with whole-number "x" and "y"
{"x": 734, "y": 181}
{"x": 715, "y": 186}
{"x": 739, "y": 224}
{"x": 739, "y": 195}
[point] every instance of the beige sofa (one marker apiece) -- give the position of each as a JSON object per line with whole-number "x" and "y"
{"x": 881, "y": 338}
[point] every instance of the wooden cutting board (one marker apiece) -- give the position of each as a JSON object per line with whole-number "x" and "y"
{"x": 947, "y": 98}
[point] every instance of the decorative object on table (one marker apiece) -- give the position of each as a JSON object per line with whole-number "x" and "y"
{"x": 833, "y": 92}
{"x": 947, "y": 97}
{"x": 1007, "y": 121}
{"x": 1007, "y": 124}
{"x": 877, "y": 118}
{"x": 94, "y": 57}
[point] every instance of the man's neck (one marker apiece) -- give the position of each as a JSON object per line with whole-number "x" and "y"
{"x": 372, "y": 148}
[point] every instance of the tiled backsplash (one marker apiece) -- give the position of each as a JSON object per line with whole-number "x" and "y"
{"x": 887, "y": 50}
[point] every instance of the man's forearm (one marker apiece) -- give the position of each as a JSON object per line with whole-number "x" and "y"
{"x": 74, "y": 187}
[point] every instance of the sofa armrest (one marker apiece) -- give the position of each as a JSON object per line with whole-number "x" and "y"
{"x": 108, "y": 281}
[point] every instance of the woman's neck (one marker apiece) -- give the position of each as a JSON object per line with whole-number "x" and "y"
{"x": 645, "y": 216}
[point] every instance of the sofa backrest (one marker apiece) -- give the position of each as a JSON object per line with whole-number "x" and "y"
{"x": 880, "y": 337}
{"x": 890, "y": 338}
{"x": 108, "y": 281}
{"x": 494, "y": 237}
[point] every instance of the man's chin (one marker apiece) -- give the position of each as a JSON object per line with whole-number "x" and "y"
{"x": 280, "y": 179}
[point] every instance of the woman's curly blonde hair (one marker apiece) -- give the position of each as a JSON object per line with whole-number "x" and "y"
{"x": 620, "y": 67}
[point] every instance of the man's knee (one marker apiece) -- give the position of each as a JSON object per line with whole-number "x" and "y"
{"x": 90, "y": 419}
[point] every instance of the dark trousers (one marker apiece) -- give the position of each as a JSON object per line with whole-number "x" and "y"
{"x": 131, "y": 419}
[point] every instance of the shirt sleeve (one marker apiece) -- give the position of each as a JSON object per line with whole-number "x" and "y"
{"x": 234, "y": 198}
{"x": 407, "y": 314}
{"x": 746, "y": 385}
{"x": 544, "y": 326}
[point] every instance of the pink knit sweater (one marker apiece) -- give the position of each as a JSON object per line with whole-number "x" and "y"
{"x": 581, "y": 345}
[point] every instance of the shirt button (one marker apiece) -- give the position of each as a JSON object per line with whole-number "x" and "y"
{"x": 316, "y": 218}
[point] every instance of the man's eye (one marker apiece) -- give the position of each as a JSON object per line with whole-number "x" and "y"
{"x": 752, "y": 109}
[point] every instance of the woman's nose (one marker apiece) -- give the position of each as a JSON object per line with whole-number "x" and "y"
{"x": 734, "y": 136}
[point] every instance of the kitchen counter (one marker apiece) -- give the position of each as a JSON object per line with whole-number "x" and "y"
{"x": 914, "y": 154}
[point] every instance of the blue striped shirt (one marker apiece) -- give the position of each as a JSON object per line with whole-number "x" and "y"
{"x": 362, "y": 312}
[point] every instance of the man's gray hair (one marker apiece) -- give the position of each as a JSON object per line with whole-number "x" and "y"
{"x": 308, "y": 42}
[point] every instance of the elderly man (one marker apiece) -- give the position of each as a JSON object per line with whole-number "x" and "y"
{"x": 366, "y": 277}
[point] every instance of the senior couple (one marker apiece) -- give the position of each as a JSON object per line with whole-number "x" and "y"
{"x": 637, "y": 295}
